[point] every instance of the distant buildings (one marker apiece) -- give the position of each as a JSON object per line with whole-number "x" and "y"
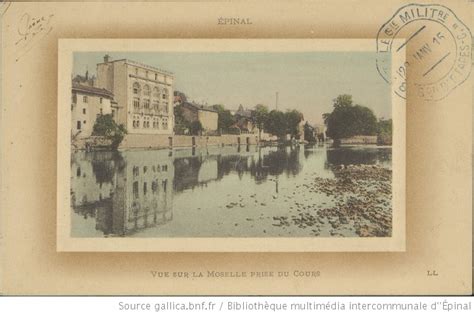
{"x": 144, "y": 95}
{"x": 244, "y": 120}
{"x": 87, "y": 103}
{"x": 192, "y": 112}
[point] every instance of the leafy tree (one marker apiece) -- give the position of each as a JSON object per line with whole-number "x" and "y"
{"x": 196, "y": 128}
{"x": 180, "y": 123}
{"x": 343, "y": 100}
{"x": 384, "y": 131}
{"x": 293, "y": 119}
{"x": 225, "y": 119}
{"x": 309, "y": 133}
{"x": 276, "y": 124}
{"x": 105, "y": 126}
{"x": 347, "y": 120}
{"x": 261, "y": 116}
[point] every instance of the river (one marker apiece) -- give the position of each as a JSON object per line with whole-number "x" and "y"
{"x": 230, "y": 191}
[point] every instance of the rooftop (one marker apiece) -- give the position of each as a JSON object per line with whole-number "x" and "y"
{"x": 91, "y": 90}
{"x": 139, "y": 64}
{"x": 199, "y": 107}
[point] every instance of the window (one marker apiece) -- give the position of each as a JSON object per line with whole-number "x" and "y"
{"x": 101, "y": 111}
{"x": 84, "y": 99}
{"x": 136, "y": 121}
{"x": 84, "y": 122}
{"x": 74, "y": 98}
{"x": 113, "y": 112}
{"x": 154, "y": 186}
{"x": 100, "y": 100}
{"x": 165, "y": 123}
{"x": 145, "y": 169}
{"x": 136, "y": 88}
{"x": 136, "y": 103}
{"x": 136, "y": 71}
{"x": 78, "y": 126}
{"x": 156, "y": 77}
{"x": 84, "y": 111}
{"x": 135, "y": 190}
{"x": 144, "y": 189}
{"x": 146, "y": 74}
{"x": 146, "y": 90}
{"x": 156, "y": 93}
{"x": 78, "y": 172}
{"x": 136, "y": 171}
{"x": 146, "y": 103}
{"x": 146, "y": 122}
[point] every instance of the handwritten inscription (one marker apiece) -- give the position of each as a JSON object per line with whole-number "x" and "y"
{"x": 30, "y": 30}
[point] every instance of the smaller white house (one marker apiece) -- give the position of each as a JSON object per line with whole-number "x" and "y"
{"x": 87, "y": 104}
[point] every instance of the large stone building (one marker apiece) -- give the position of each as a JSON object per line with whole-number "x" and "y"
{"x": 87, "y": 103}
{"x": 144, "y": 95}
{"x": 124, "y": 194}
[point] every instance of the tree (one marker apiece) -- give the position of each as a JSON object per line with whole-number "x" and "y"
{"x": 293, "y": 119}
{"x": 384, "y": 131}
{"x": 260, "y": 117}
{"x": 342, "y": 101}
{"x": 105, "y": 126}
{"x": 225, "y": 119}
{"x": 196, "y": 128}
{"x": 309, "y": 133}
{"x": 276, "y": 124}
{"x": 181, "y": 126}
{"x": 347, "y": 120}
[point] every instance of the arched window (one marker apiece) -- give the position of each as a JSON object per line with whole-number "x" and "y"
{"x": 165, "y": 94}
{"x": 146, "y": 90}
{"x": 156, "y": 93}
{"x": 136, "y": 88}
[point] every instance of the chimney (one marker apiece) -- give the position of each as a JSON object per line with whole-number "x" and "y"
{"x": 106, "y": 58}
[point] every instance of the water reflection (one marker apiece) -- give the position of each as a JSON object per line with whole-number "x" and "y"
{"x": 119, "y": 194}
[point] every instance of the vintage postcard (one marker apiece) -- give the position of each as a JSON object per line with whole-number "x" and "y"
{"x": 223, "y": 147}
{"x": 229, "y": 145}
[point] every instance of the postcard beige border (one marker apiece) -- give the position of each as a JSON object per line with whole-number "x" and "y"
{"x": 65, "y": 242}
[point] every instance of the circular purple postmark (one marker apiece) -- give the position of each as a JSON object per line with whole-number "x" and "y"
{"x": 437, "y": 48}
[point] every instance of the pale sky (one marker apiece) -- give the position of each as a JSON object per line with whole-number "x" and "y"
{"x": 306, "y": 81}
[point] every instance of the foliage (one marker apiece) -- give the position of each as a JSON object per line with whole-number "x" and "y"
{"x": 384, "y": 131}
{"x": 181, "y": 126}
{"x": 293, "y": 119}
{"x": 105, "y": 126}
{"x": 347, "y": 120}
{"x": 225, "y": 119}
{"x": 276, "y": 124}
{"x": 309, "y": 133}
{"x": 195, "y": 128}
{"x": 260, "y": 116}
{"x": 282, "y": 123}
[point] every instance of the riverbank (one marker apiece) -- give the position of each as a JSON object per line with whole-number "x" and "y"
{"x": 360, "y": 202}
{"x": 142, "y": 141}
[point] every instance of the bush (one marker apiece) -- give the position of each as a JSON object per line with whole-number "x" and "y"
{"x": 105, "y": 126}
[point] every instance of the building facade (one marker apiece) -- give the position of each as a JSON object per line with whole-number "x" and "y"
{"x": 87, "y": 103}
{"x": 207, "y": 116}
{"x": 144, "y": 95}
